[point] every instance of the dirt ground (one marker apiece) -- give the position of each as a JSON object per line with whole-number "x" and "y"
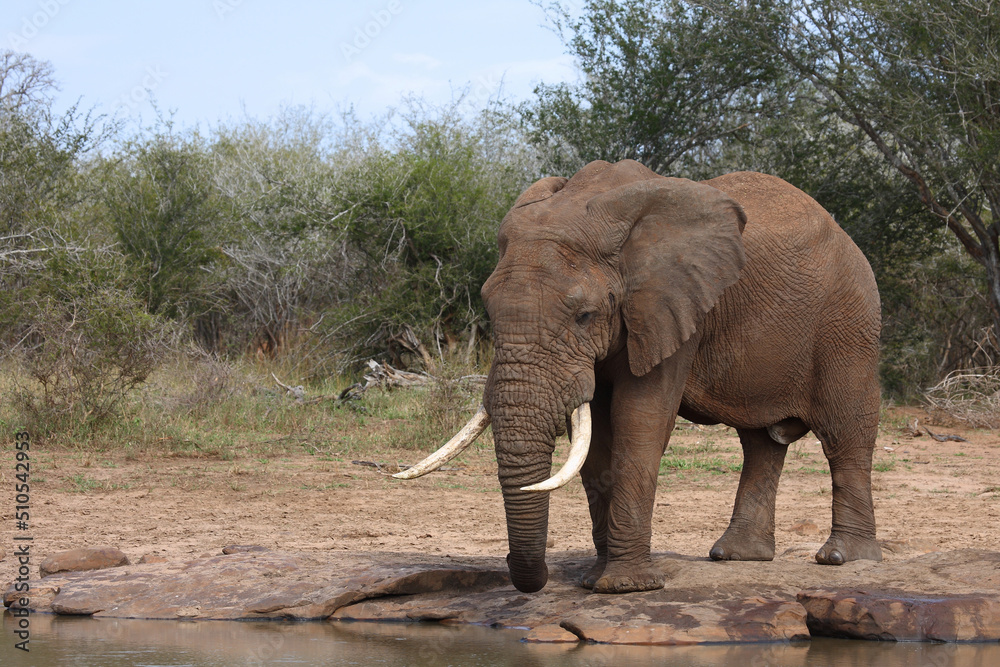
{"x": 929, "y": 496}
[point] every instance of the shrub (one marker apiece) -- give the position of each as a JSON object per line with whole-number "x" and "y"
{"x": 85, "y": 342}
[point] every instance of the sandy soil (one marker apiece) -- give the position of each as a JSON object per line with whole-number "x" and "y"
{"x": 929, "y": 496}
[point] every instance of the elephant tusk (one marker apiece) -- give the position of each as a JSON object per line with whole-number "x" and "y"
{"x": 451, "y": 449}
{"x": 580, "y": 423}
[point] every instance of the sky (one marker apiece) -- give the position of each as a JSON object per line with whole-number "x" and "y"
{"x": 212, "y": 61}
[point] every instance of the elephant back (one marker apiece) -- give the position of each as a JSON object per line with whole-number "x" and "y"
{"x": 806, "y": 304}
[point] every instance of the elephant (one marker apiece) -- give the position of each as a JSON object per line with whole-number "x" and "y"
{"x": 622, "y": 299}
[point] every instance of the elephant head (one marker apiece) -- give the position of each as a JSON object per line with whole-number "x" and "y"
{"x": 614, "y": 261}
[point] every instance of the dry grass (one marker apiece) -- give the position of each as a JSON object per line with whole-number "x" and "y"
{"x": 201, "y": 408}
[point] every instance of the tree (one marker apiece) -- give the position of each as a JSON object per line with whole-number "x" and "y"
{"x": 350, "y": 239}
{"x": 691, "y": 94}
{"x": 160, "y": 202}
{"x": 921, "y": 80}
{"x": 421, "y": 212}
{"x": 662, "y": 81}
{"x": 696, "y": 89}
{"x": 68, "y": 316}
{"x": 25, "y": 83}
{"x": 281, "y": 268}
{"x": 39, "y": 154}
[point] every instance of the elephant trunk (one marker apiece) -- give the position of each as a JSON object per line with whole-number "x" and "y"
{"x": 524, "y": 436}
{"x": 527, "y": 531}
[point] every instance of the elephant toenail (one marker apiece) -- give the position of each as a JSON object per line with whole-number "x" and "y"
{"x": 836, "y": 558}
{"x": 717, "y": 553}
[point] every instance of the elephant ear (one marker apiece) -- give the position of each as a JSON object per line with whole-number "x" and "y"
{"x": 680, "y": 248}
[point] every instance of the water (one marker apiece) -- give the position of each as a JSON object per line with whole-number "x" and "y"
{"x": 60, "y": 640}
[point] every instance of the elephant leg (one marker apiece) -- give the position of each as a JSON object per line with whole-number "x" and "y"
{"x": 598, "y": 480}
{"x": 853, "y": 533}
{"x": 643, "y": 411}
{"x": 750, "y": 535}
{"x": 629, "y": 564}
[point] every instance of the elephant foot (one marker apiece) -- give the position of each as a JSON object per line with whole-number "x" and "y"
{"x": 737, "y": 545}
{"x": 629, "y": 578}
{"x": 594, "y": 573}
{"x": 840, "y": 549}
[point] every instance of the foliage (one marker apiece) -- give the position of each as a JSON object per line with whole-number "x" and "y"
{"x": 161, "y": 206}
{"x": 313, "y": 242}
{"x": 814, "y": 92}
{"x": 39, "y": 155}
{"x": 935, "y": 320}
{"x": 921, "y": 80}
{"x": 662, "y": 82}
{"x": 84, "y": 342}
{"x": 344, "y": 235}
{"x": 68, "y": 316}
{"x": 423, "y": 221}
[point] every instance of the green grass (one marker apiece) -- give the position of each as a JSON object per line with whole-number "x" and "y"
{"x": 715, "y": 464}
{"x": 811, "y": 470}
{"x": 83, "y": 484}
{"x": 884, "y": 466}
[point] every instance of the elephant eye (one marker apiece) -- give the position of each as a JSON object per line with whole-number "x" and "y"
{"x": 583, "y": 319}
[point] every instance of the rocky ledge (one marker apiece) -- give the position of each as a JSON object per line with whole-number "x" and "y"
{"x": 953, "y": 596}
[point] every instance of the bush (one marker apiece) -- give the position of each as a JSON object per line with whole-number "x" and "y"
{"x": 935, "y": 320}
{"x": 349, "y": 239}
{"x": 162, "y": 208}
{"x": 84, "y": 343}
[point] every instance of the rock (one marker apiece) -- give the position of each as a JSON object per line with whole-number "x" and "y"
{"x": 671, "y": 623}
{"x": 151, "y": 558}
{"x": 665, "y": 617}
{"x": 902, "y": 616}
{"x": 244, "y": 549}
{"x": 75, "y": 608}
{"x": 703, "y": 601}
{"x": 257, "y": 585}
{"x": 805, "y": 527}
{"x": 40, "y": 594}
{"x": 83, "y": 559}
{"x": 550, "y": 634}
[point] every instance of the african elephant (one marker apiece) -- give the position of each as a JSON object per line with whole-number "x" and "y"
{"x": 622, "y": 299}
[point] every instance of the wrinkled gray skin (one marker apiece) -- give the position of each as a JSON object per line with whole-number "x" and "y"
{"x": 737, "y": 300}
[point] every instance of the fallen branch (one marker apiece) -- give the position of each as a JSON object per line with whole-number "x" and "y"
{"x": 379, "y": 375}
{"x": 971, "y": 396}
{"x": 298, "y": 392}
{"x": 384, "y": 375}
{"x": 944, "y": 438}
